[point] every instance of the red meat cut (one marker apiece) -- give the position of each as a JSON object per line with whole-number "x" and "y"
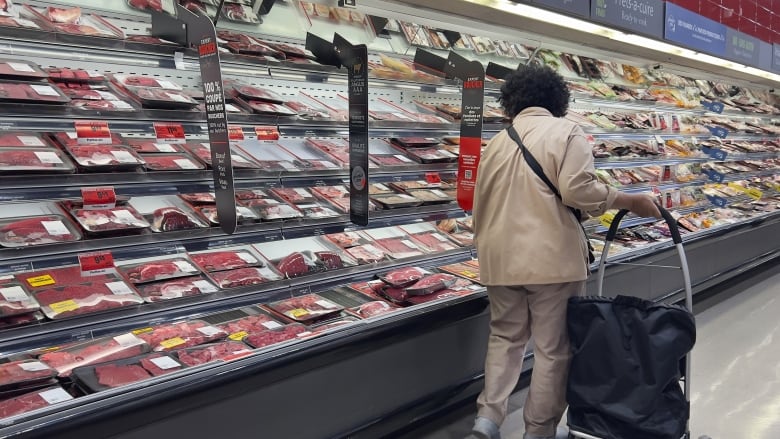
{"x": 294, "y": 265}
{"x": 374, "y": 308}
{"x": 159, "y": 270}
{"x": 219, "y": 351}
{"x": 104, "y": 155}
{"x": 147, "y": 4}
{"x": 256, "y": 323}
{"x": 175, "y": 289}
{"x": 63, "y": 15}
{"x": 154, "y": 369}
{"x": 239, "y": 278}
{"x": 18, "y": 372}
{"x": 17, "y": 158}
{"x": 366, "y": 254}
{"x": 431, "y": 284}
{"x": 225, "y": 260}
{"x": 332, "y": 261}
{"x": 22, "y": 404}
{"x": 31, "y": 231}
{"x": 112, "y": 375}
{"x": 396, "y": 295}
{"x": 171, "y": 162}
{"x": 402, "y": 277}
{"x": 270, "y": 337}
{"x": 435, "y": 242}
{"x": 106, "y": 350}
{"x": 307, "y": 308}
{"x": 185, "y": 334}
{"x": 89, "y": 298}
{"x": 168, "y": 219}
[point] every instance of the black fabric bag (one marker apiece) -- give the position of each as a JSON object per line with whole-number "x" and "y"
{"x": 628, "y": 354}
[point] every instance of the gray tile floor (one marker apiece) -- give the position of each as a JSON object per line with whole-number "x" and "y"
{"x": 736, "y": 367}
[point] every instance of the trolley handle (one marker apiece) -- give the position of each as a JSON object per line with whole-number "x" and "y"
{"x": 670, "y": 221}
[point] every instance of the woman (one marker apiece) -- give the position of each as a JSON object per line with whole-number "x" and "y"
{"x": 532, "y": 250}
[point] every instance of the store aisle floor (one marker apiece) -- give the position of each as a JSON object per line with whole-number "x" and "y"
{"x": 736, "y": 367}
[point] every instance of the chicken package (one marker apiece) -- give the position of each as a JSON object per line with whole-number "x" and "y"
{"x": 171, "y": 162}
{"x": 305, "y": 309}
{"x": 20, "y": 69}
{"x": 16, "y": 375}
{"x": 26, "y": 160}
{"x": 31, "y": 93}
{"x": 176, "y": 288}
{"x": 105, "y": 157}
{"x": 38, "y": 230}
{"x": 14, "y": 300}
{"x": 224, "y": 351}
{"x": 86, "y": 298}
{"x": 155, "y": 269}
{"x": 172, "y": 336}
{"x": 100, "y": 350}
{"x": 119, "y": 219}
{"x": 262, "y": 338}
{"x": 33, "y": 401}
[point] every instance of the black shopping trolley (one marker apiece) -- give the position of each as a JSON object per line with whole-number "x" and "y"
{"x": 629, "y": 356}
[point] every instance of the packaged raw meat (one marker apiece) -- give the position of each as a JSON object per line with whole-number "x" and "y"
{"x": 431, "y": 284}
{"x": 157, "y": 269}
{"x": 250, "y": 324}
{"x": 168, "y": 337}
{"x": 101, "y": 350}
{"x": 367, "y": 253}
{"x": 176, "y": 288}
{"x": 171, "y": 162}
{"x": 39, "y": 230}
{"x": 273, "y": 158}
{"x": 336, "y": 148}
{"x": 244, "y": 277}
{"x": 63, "y": 15}
{"x": 373, "y": 309}
{"x": 403, "y": 277}
{"x": 431, "y": 155}
{"x": 409, "y": 186}
{"x": 433, "y": 241}
{"x": 19, "y": 69}
{"x": 63, "y": 74}
{"x": 254, "y": 93}
{"x": 379, "y": 189}
{"x": 240, "y": 13}
{"x": 151, "y": 97}
{"x": 168, "y": 219}
{"x": 199, "y": 198}
{"x": 168, "y": 6}
{"x": 149, "y": 146}
{"x": 439, "y": 295}
{"x": 101, "y": 105}
{"x": 31, "y": 93}
{"x": 23, "y": 139}
{"x": 434, "y": 196}
{"x": 122, "y": 218}
{"x": 298, "y": 264}
{"x": 399, "y": 248}
{"x": 18, "y": 22}
{"x": 146, "y": 81}
{"x": 243, "y": 214}
{"x": 60, "y": 277}
{"x": 464, "y": 238}
{"x": 203, "y": 152}
{"x": 308, "y": 308}
{"x": 270, "y": 336}
{"x": 93, "y": 379}
{"x": 358, "y": 304}
{"x": 317, "y": 211}
{"x": 224, "y": 351}
{"x": 415, "y": 142}
{"x": 463, "y": 270}
{"x": 159, "y": 364}
{"x": 308, "y": 110}
{"x": 86, "y": 298}
{"x": 347, "y": 240}
{"x": 294, "y": 195}
{"x": 261, "y": 107}
{"x": 14, "y": 300}
{"x": 33, "y": 401}
{"x": 221, "y": 260}
{"x": 330, "y": 325}
{"x": 34, "y": 160}
{"x": 305, "y": 157}
{"x": 24, "y": 373}
{"x": 395, "y": 295}
{"x": 274, "y": 212}
{"x": 393, "y": 201}
{"x": 21, "y": 320}
{"x": 70, "y": 138}
{"x": 105, "y": 157}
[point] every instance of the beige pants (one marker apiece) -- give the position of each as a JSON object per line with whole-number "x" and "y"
{"x": 516, "y": 314}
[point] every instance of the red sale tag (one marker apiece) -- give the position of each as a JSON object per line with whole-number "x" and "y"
{"x": 95, "y": 198}
{"x": 433, "y": 177}
{"x": 468, "y": 162}
{"x": 93, "y": 264}
{"x": 169, "y": 132}
{"x": 235, "y": 132}
{"x": 267, "y": 133}
{"x": 93, "y": 132}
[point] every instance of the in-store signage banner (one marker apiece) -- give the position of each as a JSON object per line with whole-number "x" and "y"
{"x": 574, "y": 7}
{"x": 764, "y": 56}
{"x": 472, "y": 73}
{"x": 694, "y": 31}
{"x": 741, "y": 47}
{"x": 776, "y": 57}
{"x": 637, "y": 16}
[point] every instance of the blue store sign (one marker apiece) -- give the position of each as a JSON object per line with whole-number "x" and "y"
{"x": 694, "y": 31}
{"x": 742, "y": 48}
{"x": 644, "y": 17}
{"x": 575, "y": 7}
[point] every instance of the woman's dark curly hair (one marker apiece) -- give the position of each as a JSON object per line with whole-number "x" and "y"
{"x": 534, "y": 86}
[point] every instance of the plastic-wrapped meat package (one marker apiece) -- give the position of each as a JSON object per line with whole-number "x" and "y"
{"x": 293, "y": 51}
{"x": 216, "y": 352}
{"x": 399, "y": 248}
{"x": 101, "y": 105}
{"x": 199, "y": 198}
{"x": 244, "y": 277}
{"x": 24, "y": 373}
{"x": 294, "y": 195}
{"x": 373, "y": 309}
{"x": 105, "y": 157}
{"x": 298, "y": 264}
{"x": 203, "y": 152}
{"x": 210, "y": 214}
{"x": 157, "y": 270}
{"x": 61, "y": 276}
{"x": 18, "y": 22}
{"x": 180, "y": 335}
{"x": 347, "y": 240}
{"x": 254, "y": 93}
{"x": 157, "y": 5}
{"x": 403, "y": 277}
{"x": 34, "y": 160}
{"x": 431, "y": 155}
{"x": 463, "y": 270}
{"x": 39, "y": 230}
{"x": 22, "y": 139}
{"x": 250, "y": 324}
{"x": 176, "y": 288}
{"x": 261, "y": 107}
{"x": 171, "y": 162}
{"x": 271, "y": 336}
{"x": 64, "y": 74}
{"x": 338, "y": 196}
{"x": 164, "y": 99}
{"x": 145, "y": 81}
{"x": 21, "y": 320}
{"x": 308, "y": 111}
{"x": 416, "y": 142}
{"x": 439, "y": 295}
{"x": 33, "y": 401}
{"x": 367, "y": 253}
{"x": 70, "y": 138}
{"x": 391, "y": 160}
{"x": 251, "y": 194}
{"x": 311, "y": 307}
{"x": 32, "y": 93}
{"x": 433, "y": 196}
{"x": 14, "y": 300}
{"x": 87, "y": 298}
{"x": 168, "y": 219}
{"x": 19, "y": 69}
{"x": 114, "y": 375}
{"x": 271, "y": 212}
{"x": 333, "y": 324}
{"x": 63, "y": 15}
{"x": 97, "y": 351}
{"x": 464, "y": 238}
{"x": 393, "y": 201}
{"x": 431, "y": 284}
{"x": 317, "y": 211}
{"x": 338, "y": 149}
{"x": 116, "y": 219}
{"x": 240, "y": 13}
{"x": 119, "y": 373}
{"x": 158, "y": 364}
{"x": 221, "y": 260}
{"x": 149, "y": 146}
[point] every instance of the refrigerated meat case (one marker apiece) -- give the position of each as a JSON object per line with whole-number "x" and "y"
{"x": 368, "y": 377}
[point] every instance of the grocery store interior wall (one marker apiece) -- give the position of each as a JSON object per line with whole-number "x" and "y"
{"x": 759, "y": 18}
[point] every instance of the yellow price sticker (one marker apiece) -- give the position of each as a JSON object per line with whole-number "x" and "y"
{"x": 238, "y": 336}
{"x": 737, "y": 187}
{"x": 468, "y": 273}
{"x": 172, "y": 342}
{"x": 41, "y": 281}
{"x": 299, "y": 312}
{"x": 143, "y": 330}
{"x": 64, "y": 306}
{"x": 754, "y": 193}
{"x": 607, "y": 218}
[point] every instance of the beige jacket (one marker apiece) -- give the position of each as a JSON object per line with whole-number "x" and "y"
{"x": 523, "y": 234}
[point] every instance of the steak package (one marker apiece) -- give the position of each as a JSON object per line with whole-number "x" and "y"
{"x": 251, "y": 92}
{"x": 176, "y": 288}
{"x": 463, "y": 270}
{"x": 431, "y": 284}
{"x": 119, "y": 219}
{"x": 150, "y": 146}
{"x": 14, "y": 300}
{"x": 265, "y": 108}
{"x": 243, "y": 214}
{"x": 33, "y": 401}
{"x": 145, "y": 270}
{"x": 347, "y": 240}
{"x": 105, "y": 157}
{"x": 242, "y": 277}
{"x": 308, "y": 308}
{"x": 307, "y": 158}
{"x": 101, "y": 350}
{"x": 24, "y": 160}
{"x": 367, "y": 253}
{"x": 23, "y": 139}
{"x": 167, "y": 213}
{"x": 272, "y": 210}
{"x": 31, "y": 93}
{"x": 199, "y": 198}
{"x": 171, "y": 162}
{"x": 24, "y": 373}
{"x": 393, "y": 201}
{"x": 317, "y": 211}
{"x": 382, "y": 153}
{"x": 59, "y": 277}
{"x": 64, "y": 74}
{"x": 85, "y": 298}
{"x": 294, "y": 195}
{"x": 38, "y": 230}
{"x": 224, "y": 351}
{"x": 432, "y": 196}
{"x": 171, "y": 336}
{"x": 127, "y": 80}
{"x": 267, "y": 337}
{"x": 357, "y": 304}
{"x": 151, "y": 97}
{"x": 119, "y": 373}
{"x": 70, "y": 138}
{"x": 261, "y": 321}
{"x": 228, "y": 259}
{"x": 427, "y": 236}
{"x": 398, "y": 247}
{"x": 403, "y": 277}
{"x": 315, "y": 255}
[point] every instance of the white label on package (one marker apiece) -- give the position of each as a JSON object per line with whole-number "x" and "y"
{"x": 164, "y": 147}
{"x": 119, "y": 288}
{"x": 121, "y": 105}
{"x": 31, "y": 141}
{"x": 247, "y": 257}
{"x": 177, "y": 97}
{"x": 205, "y": 286}
{"x": 302, "y": 192}
{"x": 14, "y": 294}
{"x": 406, "y": 197}
{"x": 44, "y": 90}
{"x": 439, "y": 193}
{"x": 402, "y": 158}
{"x": 72, "y": 135}
{"x": 440, "y": 237}
{"x": 410, "y": 244}
{"x": 272, "y": 325}
{"x": 34, "y": 366}
{"x": 55, "y": 228}
{"x": 168, "y": 84}
{"x": 107, "y": 96}
{"x": 165, "y": 363}
{"x": 381, "y": 187}
{"x": 48, "y": 157}
{"x": 124, "y": 156}
{"x": 124, "y": 215}
{"x": 185, "y": 266}
{"x": 128, "y": 340}
{"x": 326, "y": 304}
{"x": 54, "y": 396}
{"x": 185, "y": 164}
{"x": 209, "y": 331}
{"x": 289, "y": 166}
{"x": 21, "y": 67}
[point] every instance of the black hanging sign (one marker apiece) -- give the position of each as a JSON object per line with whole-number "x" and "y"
{"x": 472, "y": 73}
{"x": 323, "y": 50}
{"x": 497, "y": 71}
{"x": 429, "y": 62}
